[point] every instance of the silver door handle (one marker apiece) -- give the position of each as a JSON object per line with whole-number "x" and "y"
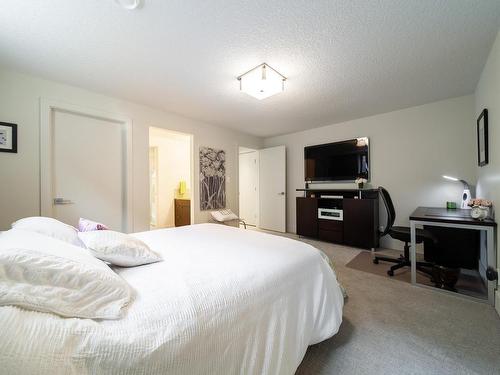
{"x": 282, "y": 193}
{"x": 62, "y": 201}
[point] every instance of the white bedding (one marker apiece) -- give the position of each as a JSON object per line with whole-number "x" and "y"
{"x": 223, "y": 301}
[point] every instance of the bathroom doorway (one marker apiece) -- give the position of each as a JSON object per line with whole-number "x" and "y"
{"x": 170, "y": 178}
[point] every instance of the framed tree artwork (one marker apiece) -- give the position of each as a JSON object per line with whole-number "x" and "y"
{"x": 212, "y": 178}
{"x": 8, "y": 137}
{"x": 482, "y": 138}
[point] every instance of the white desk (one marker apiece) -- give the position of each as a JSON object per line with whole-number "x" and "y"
{"x": 441, "y": 217}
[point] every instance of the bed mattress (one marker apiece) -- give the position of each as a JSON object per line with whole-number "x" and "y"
{"x": 223, "y": 301}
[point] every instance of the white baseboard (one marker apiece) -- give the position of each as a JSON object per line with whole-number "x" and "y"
{"x": 497, "y": 301}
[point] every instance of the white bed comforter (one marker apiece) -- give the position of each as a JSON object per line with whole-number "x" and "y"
{"x": 223, "y": 301}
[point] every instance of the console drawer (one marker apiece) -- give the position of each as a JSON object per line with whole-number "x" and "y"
{"x": 331, "y": 225}
{"x": 331, "y": 235}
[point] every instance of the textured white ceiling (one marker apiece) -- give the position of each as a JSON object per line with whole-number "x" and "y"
{"x": 344, "y": 59}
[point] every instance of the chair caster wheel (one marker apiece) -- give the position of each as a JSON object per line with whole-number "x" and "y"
{"x": 375, "y": 261}
{"x": 390, "y": 273}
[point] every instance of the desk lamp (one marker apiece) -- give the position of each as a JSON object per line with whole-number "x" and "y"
{"x": 466, "y": 196}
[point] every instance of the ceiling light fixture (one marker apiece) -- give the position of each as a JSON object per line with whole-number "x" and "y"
{"x": 262, "y": 82}
{"x": 129, "y": 4}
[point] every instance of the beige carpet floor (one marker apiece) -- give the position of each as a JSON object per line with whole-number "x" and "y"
{"x": 469, "y": 282}
{"x": 392, "y": 327}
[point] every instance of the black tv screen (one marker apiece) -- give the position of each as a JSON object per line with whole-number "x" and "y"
{"x": 339, "y": 161}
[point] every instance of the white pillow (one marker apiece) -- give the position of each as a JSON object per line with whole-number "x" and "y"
{"x": 49, "y": 227}
{"x": 118, "y": 248}
{"x": 44, "y": 274}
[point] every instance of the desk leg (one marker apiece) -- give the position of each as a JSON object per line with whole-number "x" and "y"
{"x": 492, "y": 262}
{"x": 413, "y": 252}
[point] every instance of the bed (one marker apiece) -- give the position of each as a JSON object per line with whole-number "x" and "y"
{"x": 223, "y": 301}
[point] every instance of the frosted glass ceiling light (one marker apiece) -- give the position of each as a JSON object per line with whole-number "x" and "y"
{"x": 129, "y": 4}
{"x": 262, "y": 82}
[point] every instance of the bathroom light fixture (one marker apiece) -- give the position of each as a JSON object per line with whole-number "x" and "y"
{"x": 466, "y": 196}
{"x": 262, "y": 82}
{"x": 129, "y": 4}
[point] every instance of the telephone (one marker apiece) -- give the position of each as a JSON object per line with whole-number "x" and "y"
{"x": 224, "y": 215}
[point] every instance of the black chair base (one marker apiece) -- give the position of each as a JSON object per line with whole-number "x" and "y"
{"x": 402, "y": 234}
{"x": 404, "y": 261}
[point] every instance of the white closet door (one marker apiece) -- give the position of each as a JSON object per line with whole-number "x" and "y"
{"x": 249, "y": 187}
{"x": 272, "y": 188}
{"x": 85, "y": 169}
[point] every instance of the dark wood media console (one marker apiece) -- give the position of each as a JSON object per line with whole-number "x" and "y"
{"x": 348, "y": 217}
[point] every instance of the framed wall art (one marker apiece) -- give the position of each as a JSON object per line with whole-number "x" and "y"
{"x": 482, "y": 138}
{"x": 212, "y": 178}
{"x": 8, "y": 137}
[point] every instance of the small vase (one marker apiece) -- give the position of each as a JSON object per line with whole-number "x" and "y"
{"x": 480, "y": 212}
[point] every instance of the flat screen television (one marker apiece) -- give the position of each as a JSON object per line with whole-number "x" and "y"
{"x": 339, "y": 161}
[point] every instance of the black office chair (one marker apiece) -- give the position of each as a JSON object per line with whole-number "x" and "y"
{"x": 401, "y": 234}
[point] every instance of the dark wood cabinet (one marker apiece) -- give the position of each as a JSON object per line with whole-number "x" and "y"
{"x": 359, "y": 225}
{"x": 361, "y": 222}
{"x": 182, "y": 212}
{"x": 331, "y": 230}
{"x": 307, "y": 216}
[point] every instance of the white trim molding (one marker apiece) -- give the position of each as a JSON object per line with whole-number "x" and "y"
{"x": 47, "y": 108}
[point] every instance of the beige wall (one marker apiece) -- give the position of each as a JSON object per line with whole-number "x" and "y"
{"x": 174, "y": 165}
{"x": 488, "y": 96}
{"x": 19, "y": 173}
{"x": 410, "y": 150}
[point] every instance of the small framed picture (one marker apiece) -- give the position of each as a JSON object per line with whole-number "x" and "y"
{"x": 482, "y": 138}
{"x": 8, "y": 137}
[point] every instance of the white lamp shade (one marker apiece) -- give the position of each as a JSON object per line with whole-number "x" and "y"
{"x": 262, "y": 82}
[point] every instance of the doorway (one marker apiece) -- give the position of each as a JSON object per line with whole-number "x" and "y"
{"x": 262, "y": 187}
{"x": 170, "y": 178}
{"x": 75, "y": 182}
{"x": 272, "y": 188}
{"x": 249, "y": 185}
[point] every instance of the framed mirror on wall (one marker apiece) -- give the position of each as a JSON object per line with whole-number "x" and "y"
{"x": 482, "y": 138}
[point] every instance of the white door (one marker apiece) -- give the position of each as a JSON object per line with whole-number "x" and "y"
{"x": 249, "y": 187}
{"x": 272, "y": 188}
{"x": 85, "y": 168}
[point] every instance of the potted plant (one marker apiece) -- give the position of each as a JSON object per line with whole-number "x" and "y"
{"x": 480, "y": 208}
{"x": 360, "y": 181}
